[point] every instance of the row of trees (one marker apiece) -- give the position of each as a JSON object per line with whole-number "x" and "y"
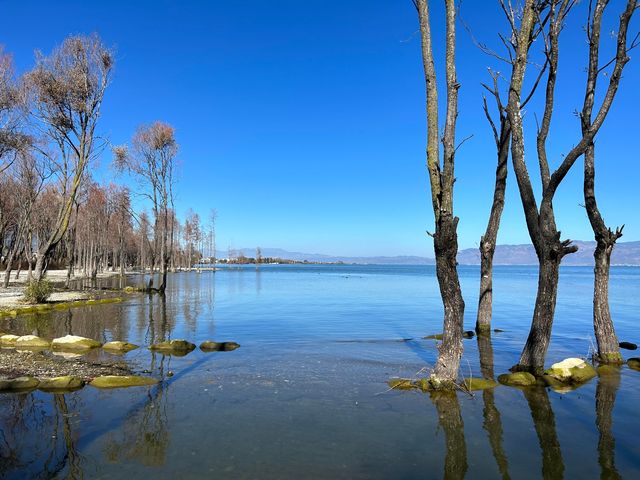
{"x": 534, "y": 19}
{"x": 51, "y": 209}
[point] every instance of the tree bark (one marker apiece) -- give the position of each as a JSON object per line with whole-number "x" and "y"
{"x": 446, "y": 250}
{"x": 535, "y": 350}
{"x": 488, "y": 240}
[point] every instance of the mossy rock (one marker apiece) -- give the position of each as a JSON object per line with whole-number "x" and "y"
{"x": 210, "y": 346}
{"x": 8, "y": 340}
{"x": 32, "y": 341}
{"x": 517, "y": 379}
{"x": 18, "y": 384}
{"x": 607, "y": 370}
{"x": 114, "y": 381}
{"x": 74, "y": 342}
{"x": 479, "y": 383}
{"x": 119, "y": 347}
{"x": 571, "y": 370}
{"x": 436, "y": 336}
{"x": 173, "y": 346}
{"x": 634, "y": 363}
{"x": 468, "y": 334}
{"x": 58, "y": 384}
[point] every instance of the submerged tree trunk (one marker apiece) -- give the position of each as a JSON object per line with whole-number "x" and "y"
{"x": 488, "y": 240}
{"x": 446, "y": 249}
{"x": 441, "y": 180}
{"x": 606, "y": 338}
{"x": 535, "y": 350}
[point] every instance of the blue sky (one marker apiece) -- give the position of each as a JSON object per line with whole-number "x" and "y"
{"x": 303, "y": 123}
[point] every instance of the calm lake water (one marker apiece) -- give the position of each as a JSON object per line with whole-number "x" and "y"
{"x": 306, "y": 397}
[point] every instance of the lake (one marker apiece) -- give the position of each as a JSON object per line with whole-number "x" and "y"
{"x": 305, "y": 396}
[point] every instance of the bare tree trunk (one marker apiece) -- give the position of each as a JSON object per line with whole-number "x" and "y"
{"x": 608, "y": 348}
{"x": 446, "y": 250}
{"x": 535, "y": 350}
{"x": 488, "y": 240}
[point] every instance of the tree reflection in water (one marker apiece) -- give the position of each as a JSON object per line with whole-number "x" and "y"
{"x": 605, "y": 399}
{"x": 492, "y": 421}
{"x": 450, "y": 419}
{"x": 545, "y": 424}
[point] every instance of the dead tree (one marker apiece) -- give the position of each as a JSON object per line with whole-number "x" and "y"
{"x": 441, "y": 177}
{"x": 67, "y": 89}
{"x": 152, "y": 160}
{"x": 608, "y": 350}
{"x": 540, "y": 218}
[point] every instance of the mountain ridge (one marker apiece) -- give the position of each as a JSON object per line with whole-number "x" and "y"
{"x": 625, "y": 253}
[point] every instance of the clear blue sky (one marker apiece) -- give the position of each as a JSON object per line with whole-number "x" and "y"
{"x": 303, "y": 123}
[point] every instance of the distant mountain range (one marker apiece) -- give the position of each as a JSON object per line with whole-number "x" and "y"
{"x": 625, "y": 253}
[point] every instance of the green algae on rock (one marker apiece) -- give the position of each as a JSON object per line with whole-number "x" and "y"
{"x": 115, "y": 381}
{"x": 568, "y": 374}
{"x": 32, "y": 341}
{"x": 517, "y": 379}
{"x": 173, "y": 346}
{"x": 18, "y": 384}
{"x": 401, "y": 384}
{"x": 479, "y": 383}
{"x": 58, "y": 384}
{"x": 436, "y": 336}
{"x": 8, "y": 340}
{"x": 74, "y": 342}
{"x": 119, "y": 346}
{"x": 211, "y": 346}
{"x": 634, "y": 363}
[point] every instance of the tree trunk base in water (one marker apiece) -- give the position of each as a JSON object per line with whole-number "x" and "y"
{"x": 613, "y": 358}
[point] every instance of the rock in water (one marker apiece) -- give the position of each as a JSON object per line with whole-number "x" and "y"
{"x": 18, "y": 384}
{"x": 517, "y": 379}
{"x": 628, "y": 345}
{"x": 119, "y": 346}
{"x": 210, "y": 346}
{"x": 173, "y": 346}
{"x": 479, "y": 383}
{"x": 73, "y": 342}
{"x": 468, "y": 334}
{"x": 571, "y": 370}
{"x": 8, "y": 340}
{"x": 634, "y": 363}
{"x": 55, "y": 384}
{"x": 31, "y": 341}
{"x": 114, "y": 381}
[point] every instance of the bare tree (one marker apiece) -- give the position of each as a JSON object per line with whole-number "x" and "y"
{"x": 153, "y": 160}
{"x": 608, "y": 350}
{"x": 67, "y": 89}
{"x": 441, "y": 177}
{"x": 540, "y": 219}
{"x": 12, "y": 139}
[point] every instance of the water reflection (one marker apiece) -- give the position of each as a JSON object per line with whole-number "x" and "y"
{"x": 144, "y": 436}
{"x": 605, "y": 399}
{"x": 545, "y": 426}
{"x": 492, "y": 422}
{"x": 450, "y": 420}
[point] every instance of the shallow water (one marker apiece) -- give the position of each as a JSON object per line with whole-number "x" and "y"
{"x": 306, "y": 395}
